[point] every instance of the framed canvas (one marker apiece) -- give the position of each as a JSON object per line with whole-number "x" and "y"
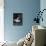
{"x": 17, "y": 19}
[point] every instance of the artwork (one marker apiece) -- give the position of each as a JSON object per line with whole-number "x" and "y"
{"x": 17, "y": 19}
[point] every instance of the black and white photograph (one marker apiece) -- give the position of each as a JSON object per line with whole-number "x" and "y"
{"x": 17, "y": 18}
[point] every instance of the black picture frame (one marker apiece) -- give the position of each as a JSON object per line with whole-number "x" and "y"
{"x": 17, "y": 19}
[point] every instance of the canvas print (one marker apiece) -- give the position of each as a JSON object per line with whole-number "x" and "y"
{"x": 17, "y": 18}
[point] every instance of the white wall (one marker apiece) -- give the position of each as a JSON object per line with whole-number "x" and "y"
{"x": 1, "y": 20}
{"x": 43, "y": 6}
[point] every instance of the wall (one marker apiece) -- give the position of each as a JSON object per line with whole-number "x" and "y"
{"x": 43, "y": 6}
{"x": 28, "y": 8}
{"x": 1, "y": 20}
